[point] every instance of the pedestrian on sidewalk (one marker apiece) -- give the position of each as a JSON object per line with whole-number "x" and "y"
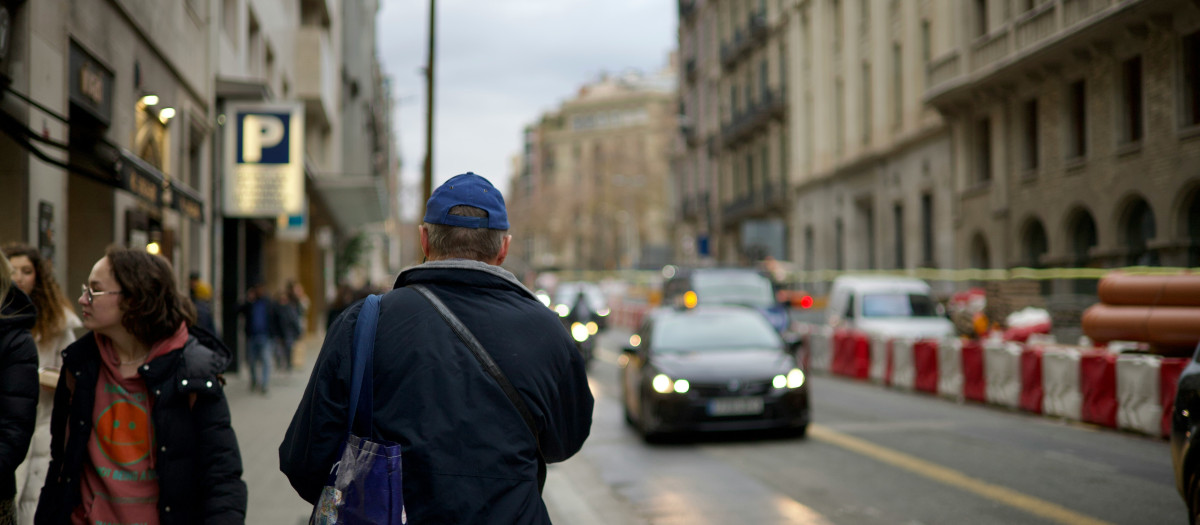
{"x": 468, "y": 454}
{"x": 52, "y": 332}
{"x": 141, "y": 427}
{"x": 261, "y": 332}
{"x": 18, "y": 385}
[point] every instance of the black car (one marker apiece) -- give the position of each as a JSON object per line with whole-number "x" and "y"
{"x": 711, "y": 368}
{"x": 1185, "y": 422}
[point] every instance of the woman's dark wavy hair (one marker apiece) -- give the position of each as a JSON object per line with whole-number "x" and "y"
{"x": 52, "y": 304}
{"x": 153, "y": 303}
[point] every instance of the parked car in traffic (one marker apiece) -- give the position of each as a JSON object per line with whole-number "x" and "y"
{"x": 888, "y": 307}
{"x": 709, "y": 368}
{"x": 729, "y": 286}
{"x": 1185, "y": 422}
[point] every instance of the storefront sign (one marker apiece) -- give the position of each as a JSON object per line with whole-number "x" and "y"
{"x": 188, "y": 204}
{"x": 264, "y": 160}
{"x": 91, "y": 84}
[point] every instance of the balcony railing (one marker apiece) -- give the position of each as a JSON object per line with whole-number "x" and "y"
{"x": 316, "y": 78}
{"x": 1049, "y": 24}
{"x": 689, "y": 135}
{"x": 689, "y": 70}
{"x": 758, "y": 29}
{"x": 771, "y": 105}
{"x": 694, "y": 206}
{"x": 744, "y": 42}
{"x": 732, "y": 51}
{"x": 771, "y": 198}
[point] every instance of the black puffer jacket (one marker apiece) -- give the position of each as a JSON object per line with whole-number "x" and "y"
{"x": 198, "y": 463}
{"x": 468, "y": 456}
{"x": 18, "y": 385}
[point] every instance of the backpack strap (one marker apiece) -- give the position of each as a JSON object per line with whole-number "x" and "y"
{"x": 361, "y": 392}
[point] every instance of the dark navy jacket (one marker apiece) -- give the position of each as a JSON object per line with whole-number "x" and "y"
{"x": 18, "y": 385}
{"x": 198, "y": 463}
{"x": 468, "y": 456}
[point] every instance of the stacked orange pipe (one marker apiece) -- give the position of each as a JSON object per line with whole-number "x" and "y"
{"x": 1163, "y": 310}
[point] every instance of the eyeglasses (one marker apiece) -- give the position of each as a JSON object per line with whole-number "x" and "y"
{"x": 91, "y": 296}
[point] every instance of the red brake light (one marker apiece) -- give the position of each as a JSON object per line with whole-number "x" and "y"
{"x": 806, "y": 301}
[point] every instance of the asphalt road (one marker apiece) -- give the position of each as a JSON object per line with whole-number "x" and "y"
{"x": 876, "y": 456}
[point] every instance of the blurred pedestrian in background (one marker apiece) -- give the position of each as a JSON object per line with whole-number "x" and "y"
{"x": 53, "y": 331}
{"x": 18, "y": 385}
{"x": 201, "y": 294}
{"x": 141, "y": 426}
{"x": 260, "y": 334}
{"x": 285, "y": 318}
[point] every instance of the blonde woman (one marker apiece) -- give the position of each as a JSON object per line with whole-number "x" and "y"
{"x": 53, "y": 331}
{"x": 18, "y": 385}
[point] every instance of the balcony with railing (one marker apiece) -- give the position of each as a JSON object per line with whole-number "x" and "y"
{"x": 771, "y": 104}
{"x": 769, "y": 199}
{"x": 745, "y": 41}
{"x": 1029, "y": 34}
{"x": 689, "y": 70}
{"x": 694, "y": 206}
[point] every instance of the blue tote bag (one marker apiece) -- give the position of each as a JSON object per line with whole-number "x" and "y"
{"x": 364, "y": 486}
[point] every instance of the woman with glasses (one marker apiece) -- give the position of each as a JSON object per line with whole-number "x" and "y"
{"x": 141, "y": 428}
{"x": 53, "y": 331}
{"x": 18, "y": 386}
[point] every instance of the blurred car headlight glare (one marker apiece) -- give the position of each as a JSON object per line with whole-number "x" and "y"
{"x": 635, "y": 340}
{"x": 563, "y": 310}
{"x": 592, "y": 328}
{"x": 579, "y": 332}
{"x": 682, "y": 386}
{"x": 779, "y": 381}
{"x": 604, "y": 312}
{"x": 795, "y": 378}
{"x": 661, "y": 384}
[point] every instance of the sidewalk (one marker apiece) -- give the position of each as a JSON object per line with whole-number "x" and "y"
{"x": 575, "y": 494}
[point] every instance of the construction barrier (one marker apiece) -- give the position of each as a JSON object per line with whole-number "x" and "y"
{"x": 974, "y": 380}
{"x": 903, "y": 370}
{"x": 880, "y": 347}
{"x": 1060, "y": 382}
{"x": 950, "y": 377}
{"x": 1098, "y": 385}
{"x": 925, "y": 362}
{"x": 1139, "y": 402}
{"x": 1032, "y": 391}
{"x": 1002, "y": 370}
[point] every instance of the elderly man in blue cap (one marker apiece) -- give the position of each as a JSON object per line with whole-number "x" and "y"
{"x": 471, "y": 452}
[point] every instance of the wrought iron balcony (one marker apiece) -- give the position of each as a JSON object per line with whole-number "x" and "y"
{"x": 770, "y": 199}
{"x": 771, "y": 104}
{"x": 689, "y": 70}
{"x": 687, "y": 11}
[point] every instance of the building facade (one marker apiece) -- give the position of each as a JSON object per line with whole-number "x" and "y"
{"x": 1078, "y": 131}
{"x": 589, "y": 184}
{"x": 805, "y": 136}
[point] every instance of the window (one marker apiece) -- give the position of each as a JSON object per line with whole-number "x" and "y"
{"x": 1131, "y": 100}
{"x": 864, "y": 13}
{"x": 927, "y": 229}
{"x": 981, "y": 17}
{"x": 898, "y": 228}
{"x": 1191, "y": 79}
{"x": 1077, "y": 120}
{"x": 839, "y": 248}
{"x": 762, "y": 79}
{"x": 229, "y": 20}
{"x": 810, "y": 255}
{"x": 866, "y": 103}
{"x": 926, "y": 42}
{"x": 782, "y": 69}
{"x": 783, "y": 156}
{"x": 983, "y": 150}
{"x": 897, "y": 86}
{"x": 839, "y": 117}
{"x": 1031, "y": 142}
{"x": 837, "y": 25}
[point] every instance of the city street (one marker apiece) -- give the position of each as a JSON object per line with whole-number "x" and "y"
{"x": 873, "y": 456}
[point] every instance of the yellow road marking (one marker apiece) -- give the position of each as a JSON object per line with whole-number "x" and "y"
{"x": 952, "y": 477}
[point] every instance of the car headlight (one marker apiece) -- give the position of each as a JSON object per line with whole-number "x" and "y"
{"x": 664, "y": 385}
{"x": 579, "y": 332}
{"x": 793, "y": 379}
{"x": 563, "y": 310}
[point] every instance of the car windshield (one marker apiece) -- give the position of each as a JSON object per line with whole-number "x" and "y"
{"x": 744, "y": 289}
{"x": 898, "y": 305}
{"x": 702, "y": 332}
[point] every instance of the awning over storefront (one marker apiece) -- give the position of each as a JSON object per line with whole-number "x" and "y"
{"x": 353, "y": 201}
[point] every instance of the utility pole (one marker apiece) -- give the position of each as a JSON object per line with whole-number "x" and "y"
{"x": 428, "y": 175}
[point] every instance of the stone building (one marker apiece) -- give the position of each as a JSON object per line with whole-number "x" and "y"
{"x": 1077, "y": 131}
{"x": 589, "y": 188}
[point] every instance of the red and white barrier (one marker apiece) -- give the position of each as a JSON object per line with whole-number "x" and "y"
{"x": 925, "y": 362}
{"x": 1002, "y": 372}
{"x": 1139, "y": 403}
{"x": 1032, "y": 393}
{"x": 950, "y": 377}
{"x": 821, "y": 350}
{"x": 1098, "y": 385}
{"x": 904, "y": 372}
{"x": 1060, "y": 382}
{"x": 880, "y": 346}
{"x": 974, "y": 380}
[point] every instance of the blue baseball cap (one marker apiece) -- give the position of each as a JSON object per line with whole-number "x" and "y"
{"x": 467, "y": 189}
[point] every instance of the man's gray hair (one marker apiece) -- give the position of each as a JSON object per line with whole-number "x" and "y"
{"x": 454, "y": 242}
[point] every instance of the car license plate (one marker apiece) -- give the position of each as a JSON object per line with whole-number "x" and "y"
{"x": 735, "y": 406}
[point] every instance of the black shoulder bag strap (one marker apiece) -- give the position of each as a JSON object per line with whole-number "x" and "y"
{"x": 489, "y": 366}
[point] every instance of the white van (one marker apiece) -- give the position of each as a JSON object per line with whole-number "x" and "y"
{"x": 887, "y": 306}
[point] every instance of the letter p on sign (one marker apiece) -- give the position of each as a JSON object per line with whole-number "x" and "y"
{"x": 263, "y": 138}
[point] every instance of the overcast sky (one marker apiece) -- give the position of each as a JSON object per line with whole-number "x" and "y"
{"x": 501, "y": 64}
